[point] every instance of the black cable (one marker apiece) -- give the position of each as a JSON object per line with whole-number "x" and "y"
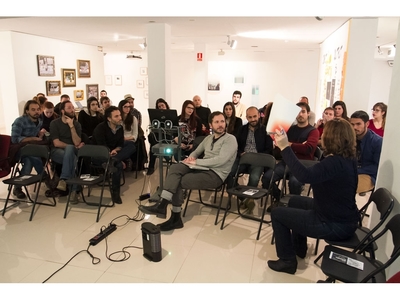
{"x": 95, "y": 261}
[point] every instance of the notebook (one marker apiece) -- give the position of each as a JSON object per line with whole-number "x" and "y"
{"x": 195, "y": 167}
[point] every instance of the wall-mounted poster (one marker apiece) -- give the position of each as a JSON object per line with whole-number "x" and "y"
{"x": 45, "y": 65}
{"x": 84, "y": 68}
{"x": 69, "y": 77}
{"x": 92, "y": 90}
{"x": 118, "y": 80}
{"x": 79, "y": 95}
{"x": 53, "y": 88}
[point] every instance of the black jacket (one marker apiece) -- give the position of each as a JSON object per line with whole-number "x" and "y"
{"x": 264, "y": 142}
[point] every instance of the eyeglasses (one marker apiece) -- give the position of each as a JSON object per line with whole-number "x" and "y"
{"x": 126, "y": 106}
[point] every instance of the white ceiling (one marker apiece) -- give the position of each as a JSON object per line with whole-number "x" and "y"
{"x": 286, "y": 33}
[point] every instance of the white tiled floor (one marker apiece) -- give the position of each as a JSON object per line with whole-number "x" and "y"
{"x": 198, "y": 253}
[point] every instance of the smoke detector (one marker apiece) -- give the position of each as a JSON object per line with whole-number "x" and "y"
{"x": 221, "y": 52}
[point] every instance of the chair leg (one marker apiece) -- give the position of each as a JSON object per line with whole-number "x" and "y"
{"x": 226, "y": 211}
{"x": 318, "y": 258}
{"x": 316, "y": 247}
{"x": 187, "y": 202}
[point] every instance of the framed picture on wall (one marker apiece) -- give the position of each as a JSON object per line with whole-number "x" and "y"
{"x": 79, "y": 95}
{"x": 143, "y": 71}
{"x": 108, "y": 79}
{"x": 92, "y": 90}
{"x": 46, "y": 65}
{"x": 140, "y": 84}
{"x": 118, "y": 80}
{"x": 68, "y": 77}
{"x": 84, "y": 68}
{"x": 53, "y": 88}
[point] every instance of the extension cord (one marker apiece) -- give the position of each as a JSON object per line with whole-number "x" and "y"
{"x": 102, "y": 235}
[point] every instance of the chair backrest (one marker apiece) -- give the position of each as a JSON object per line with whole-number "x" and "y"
{"x": 318, "y": 153}
{"x": 41, "y": 151}
{"x": 258, "y": 159}
{"x": 94, "y": 151}
{"x": 384, "y": 202}
{"x": 394, "y": 227}
{"x": 5, "y": 168}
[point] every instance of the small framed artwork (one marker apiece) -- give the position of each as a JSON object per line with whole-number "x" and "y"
{"x": 92, "y": 90}
{"x": 146, "y": 94}
{"x": 140, "y": 84}
{"x": 46, "y": 65}
{"x": 118, "y": 80}
{"x": 79, "y": 95}
{"x": 84, "y": 68}
{"x": 53, "y": 88}
{"x": 69, "y": 77}
{"x": 143, "y": 71}
{"x": 108, "y": 79}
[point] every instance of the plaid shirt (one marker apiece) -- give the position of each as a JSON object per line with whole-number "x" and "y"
{"x": 23, "y": 127}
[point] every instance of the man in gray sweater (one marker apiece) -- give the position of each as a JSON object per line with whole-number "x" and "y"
{"x": 219, "y": 151}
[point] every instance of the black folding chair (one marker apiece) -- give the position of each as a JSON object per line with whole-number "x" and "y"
{"x": 384, "y": 202}
{"x": 349, "y": 267}
{"x": 31, "y": 150}
{"x": 100, "y": 154}
{"x": 249, "y": 192}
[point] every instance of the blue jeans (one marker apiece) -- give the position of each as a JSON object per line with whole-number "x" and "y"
{"x": 295, "y": 186}
{"x": 294, "y": 223}
{"x": 29, "y": 162}
{"x": 253, "y": 171}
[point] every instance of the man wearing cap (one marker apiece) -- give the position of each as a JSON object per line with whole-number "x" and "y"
{"x": 134, "y": 111}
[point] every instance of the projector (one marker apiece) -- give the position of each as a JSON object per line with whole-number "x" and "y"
{"x": 164, "y": 149}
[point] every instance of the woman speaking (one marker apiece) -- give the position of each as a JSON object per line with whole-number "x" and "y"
{"x": 332, "y": 213}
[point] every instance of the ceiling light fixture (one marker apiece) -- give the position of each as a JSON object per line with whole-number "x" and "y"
{"x": 221, "y": 52}
{"x": 232, "y": 43}
{"x": 143, "y": 45}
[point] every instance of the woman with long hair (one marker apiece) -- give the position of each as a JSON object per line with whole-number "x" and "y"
{"x": 340, "y": 110}
{"x": 130, "y": 125}
{"x": 332, "y": 213}
{"x": 233, "y": 124}
{"x": 90, "y": 117}
{"x": 378, "y": 121}
{"x": 190, "y": 128}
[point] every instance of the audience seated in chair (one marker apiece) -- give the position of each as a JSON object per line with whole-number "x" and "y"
{"x": 252, "y": 138}
{"x": 233, "y": 124}
{"x": 327, "y": 115}
{"x": 90, "y": 117}
{"x": 65, "y": 134}
{"x": 303, "y": 139}
{"x": 110, "y": 133}
{"x": 203, "y": 113}
{"x": 130, "y": 128}
{"x": 26, "y": 129}
{"x": 369, "y": 146}
{"x": 219, "y": 154}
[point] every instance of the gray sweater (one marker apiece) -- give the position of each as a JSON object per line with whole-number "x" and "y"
{"x": 218, "y": 157}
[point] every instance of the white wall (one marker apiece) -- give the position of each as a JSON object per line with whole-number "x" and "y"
{"x": 380, "y": 85}
{"x": 22, "y": 82}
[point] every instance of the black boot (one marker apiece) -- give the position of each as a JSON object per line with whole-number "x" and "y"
{"x": 115, "y": 194}
{"x": 286, "y": 266}
{"x": 159, "y": 209}
{"x": 174, "y": 222}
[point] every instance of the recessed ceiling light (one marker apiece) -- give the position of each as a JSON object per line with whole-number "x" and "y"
{"x": 254, "y": 46}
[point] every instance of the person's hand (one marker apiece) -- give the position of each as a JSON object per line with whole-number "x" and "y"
{"x": 80, "y": 145}
{"x": 190, "y": 160}
{"x": 183, "y": 146}
{"x": 319, "y": 122}
{"x": 281, "y": 139}
{"x": 41, "y": 133}
{"x": 203, "y": 127}
{"x": 113, "y": 152}
{"x": 69, "y": 121}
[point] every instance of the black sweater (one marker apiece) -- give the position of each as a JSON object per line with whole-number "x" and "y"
{"x": 334, "y": 182}
{"x": 264, "y": 142}
{"x": 103, "y": 135}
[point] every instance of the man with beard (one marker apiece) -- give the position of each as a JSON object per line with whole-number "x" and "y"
{"x": 25, "y": 130}
{"x": 110, "y": 133}
{"x": 253, "y": 138}
{"x": 219, "y": 151}
{"x": 303, "y": 139}
{"x": 65, "y": 133}
{"x": 240, "y": 108}
{"x": 369, "y": 146}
